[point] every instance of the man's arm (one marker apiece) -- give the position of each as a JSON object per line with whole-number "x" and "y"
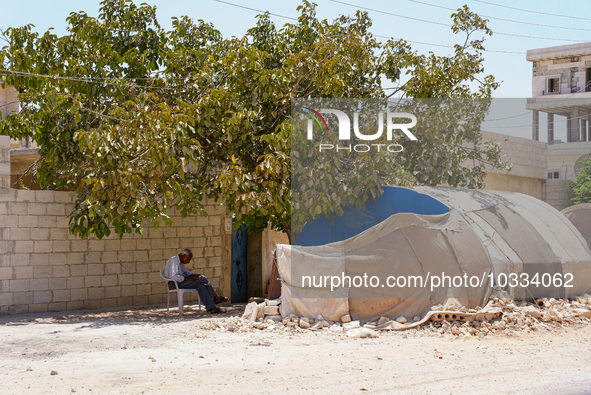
{"x": 175, "y": 270}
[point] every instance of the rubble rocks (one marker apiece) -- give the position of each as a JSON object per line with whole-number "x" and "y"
{"x": 500, "y": 315}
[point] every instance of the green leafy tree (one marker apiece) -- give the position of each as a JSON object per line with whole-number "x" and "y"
{"x": 137, "y": 120}
{"x": 581, "y": 187}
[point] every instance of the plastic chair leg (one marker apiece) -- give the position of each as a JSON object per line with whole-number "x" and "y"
{"x": 168, "y": 304}
{"x": 179, "y": 295}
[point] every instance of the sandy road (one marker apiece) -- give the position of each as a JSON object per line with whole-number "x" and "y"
{"x": 145, "y": 351}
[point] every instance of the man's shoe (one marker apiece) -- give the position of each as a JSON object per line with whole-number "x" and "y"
{"x": 222, "y": 300}
{"x": 216, "y": 310}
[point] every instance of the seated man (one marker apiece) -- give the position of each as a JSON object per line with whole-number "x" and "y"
{"x": 175, "y": 269}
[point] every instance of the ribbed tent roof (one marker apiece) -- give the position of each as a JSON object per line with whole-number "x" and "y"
{"x": 483, "y": 234}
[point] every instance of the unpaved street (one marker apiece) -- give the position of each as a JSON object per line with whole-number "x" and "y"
{"x": 146, "y": 351}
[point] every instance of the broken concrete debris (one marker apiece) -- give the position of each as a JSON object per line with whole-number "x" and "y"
{"x": 503, "y": 315}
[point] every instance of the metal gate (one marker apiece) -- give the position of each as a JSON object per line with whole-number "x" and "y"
{"x": 239, "y": 265}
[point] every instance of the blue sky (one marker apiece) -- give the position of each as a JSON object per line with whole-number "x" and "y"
{"x": 408, "y": 23}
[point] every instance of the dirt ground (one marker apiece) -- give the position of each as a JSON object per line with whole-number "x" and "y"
{"x": 146, "y": 351}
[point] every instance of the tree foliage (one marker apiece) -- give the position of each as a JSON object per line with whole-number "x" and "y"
{"x": 581, "y": 186}
{"x": 137, "y": 120}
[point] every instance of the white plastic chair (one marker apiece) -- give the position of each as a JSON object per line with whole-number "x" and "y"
{"x": 179, "y": 293}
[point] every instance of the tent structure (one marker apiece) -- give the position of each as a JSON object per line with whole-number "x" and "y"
{"x": 580, "y": 216}
{"x": 472, "y": 240}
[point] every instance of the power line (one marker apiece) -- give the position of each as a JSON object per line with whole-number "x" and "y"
{"x": 253, "y": 9}
{"x": 533, "y": 12}
{"x": 376, "y": 35}
{"x": 446, "y": 25}
{"x": 97, "y": 80}
{"x": 502, "y": 19}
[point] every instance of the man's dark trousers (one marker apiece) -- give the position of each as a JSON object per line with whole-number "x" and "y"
{"x": 203, "y": 287}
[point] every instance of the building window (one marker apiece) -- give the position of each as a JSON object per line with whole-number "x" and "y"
{"x": 553, "y": 175}
{"x": 553, "y": 85}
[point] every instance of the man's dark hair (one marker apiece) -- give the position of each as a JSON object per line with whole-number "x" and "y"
{"x": 186, "y": 252}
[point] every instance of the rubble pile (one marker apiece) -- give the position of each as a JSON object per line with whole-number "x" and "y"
{"x": 501, "y": 315}
{"x": 545, "y": 314}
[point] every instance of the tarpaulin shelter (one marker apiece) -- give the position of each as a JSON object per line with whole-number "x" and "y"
{"x": 580, "y": 216}
{"x": 426, "y": 231}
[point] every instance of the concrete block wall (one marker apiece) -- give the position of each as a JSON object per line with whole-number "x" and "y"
{"x": 528, "y": 157}
{"x": 558, "y": 194}
{"x": 44, "y": 268}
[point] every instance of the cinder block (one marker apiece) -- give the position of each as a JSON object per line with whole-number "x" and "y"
{"x": 92, "y": 257}
{"x": 96, "y": 269}
{"x": 9, "y": 221}
{"x": 59, "y": 234}
{"x": 109, "y": 280}
{"x": 27, "y": 221}
{"x": 39, "y": 259}
{"x": 18, "y": 309}
{"x": 39, "y": 234}
{"x": 125, "y": 301}
{"x": 17, "y": 208}
{"x": 75, "y": 305}
{"x": 38, "y": 308}
{"x": 215, "y": 262}
{"x": 106, "y": 303}
{"x": 200, "y": 241}
{"x": 19, "y": 259}
{"x": 45, "y": 196}
{"x": 39, "y": 284}
{"x": 62, "y": 221}
{"x": 61, "y": 295}
{"x": 155, "y": 233}
{"x": 64, "y": 197}
{"x": 125, "y": 279}
{"x": 47, "y": 221}
{"x": 144, "y": 267}
{"x": 79, "y": 245}
{"x": 21, "y": 272}
{"x": 96, "y": 293}
{"x": 6, "y": 299}
{"x": 42, "y": 297}
{"x": 155, "y": 299}
{"x": 42, "y": 271}
{"x": 112, "y": 268}
{"x": 155, "y": 254}
{"x": 158, "y": 244}
{"x": 173, "y": 243}
{"x": 140, "y": 300}
{"x": 60, "y": 271}
{"x": 61, "y": 246}
{"x": 208, "y": 251}
{"x": 23, "y": 298}
{"x": 140, "y": 278}
{"x": 128, "y": 244}
{"x": 75, "y": 282}
{"x": 96, "y": 245}
{"x": 112, "y": 292}
{"x": 6, "y": 273}
{"x": 144, "y": 289}
{"x": 78, "y": 270}
{"x": 42, "y": 246}
{"x": 36, "y": 209}
{"x": 112, "y": 245}
{"x": 58, "y": 259}
{"x": 56, "y": 209}
{"x": 23, "y": 247}
{"x": 154, "y": 277}
{"x": 144, "y": 244}
{"x": 128, "y": 267}
{"x": 92, "y": 281}
{"x": 128, "y": 290}
{"x": 125, "y": 256}
{"x": 20, "y": 234}
{"x": 73, "y": 258}
{"x": 58, "y": 283}
{"x": 92, "y": 304}
{"x": 79, "y": 294}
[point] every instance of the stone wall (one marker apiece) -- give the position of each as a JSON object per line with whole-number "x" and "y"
{"x": 558, "y": 194}
{"x": 44, "y": 268}
{"x": 529, "y": 165}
